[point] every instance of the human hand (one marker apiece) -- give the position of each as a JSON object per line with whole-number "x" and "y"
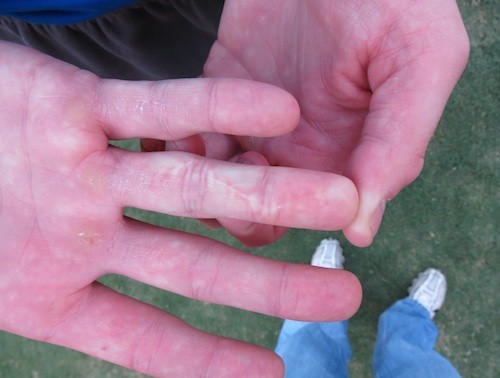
{"x": 62, "y": 190}
{"x": 371, "y": 77}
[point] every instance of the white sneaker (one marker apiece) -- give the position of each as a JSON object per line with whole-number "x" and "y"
{"x": 429, "y": 289}
{"x": 328, "y": 255}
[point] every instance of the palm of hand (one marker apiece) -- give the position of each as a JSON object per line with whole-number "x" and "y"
{"x": 294, "y": 47}
{"x": 371, "y": 78}
{"x": 46, "y": 262}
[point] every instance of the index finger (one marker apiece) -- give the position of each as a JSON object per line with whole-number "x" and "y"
{"x": 174, "y": 109}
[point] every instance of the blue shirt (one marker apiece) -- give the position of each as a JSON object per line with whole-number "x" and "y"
{"x": 61, "y": 12}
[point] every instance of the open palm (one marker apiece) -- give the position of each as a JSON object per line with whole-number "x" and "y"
{"x": 63, "y": 188}
{"x": 371, "y": 77}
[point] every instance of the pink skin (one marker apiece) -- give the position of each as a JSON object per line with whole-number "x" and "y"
{"x": 371, "y": 78}
{"x": 251, "y": 234}
{"x": 62, "y": 190}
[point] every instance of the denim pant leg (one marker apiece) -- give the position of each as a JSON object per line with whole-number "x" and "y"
{"x": 405, "y": 344}
{"x": 314, "y": 349}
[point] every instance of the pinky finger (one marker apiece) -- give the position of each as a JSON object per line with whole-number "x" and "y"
{"x": 122, "y": 330}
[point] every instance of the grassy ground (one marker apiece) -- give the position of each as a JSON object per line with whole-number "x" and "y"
{"x": 448, "y": 219}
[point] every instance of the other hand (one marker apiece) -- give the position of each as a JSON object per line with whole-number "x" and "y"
{"x": 372, "y": 79}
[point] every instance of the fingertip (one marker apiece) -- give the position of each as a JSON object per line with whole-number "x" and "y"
{"x": 262, "y": 362}
{"x": 346, "y": 295}
{"x": 354, "y": 294}
{"x": 232, "y": 358}
{"x": 278, "y": 367}
{"x": 278, "y": 109}
{"x": 352, "y": 199}
{"x": 325, "y": 295}
{"x": 347, "y": 202}
{"x": 358, "y": 236}
{"x": 367, "y": 221}
{"x": 291, "y": 111}
{"x": 271, "y": 365}
{"x": 359, "y": 232}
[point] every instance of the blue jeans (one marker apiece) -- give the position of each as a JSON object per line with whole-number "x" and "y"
{"x": 405, "y": 346}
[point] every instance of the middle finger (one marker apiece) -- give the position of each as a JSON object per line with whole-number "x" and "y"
{"x": 183, "y": 184}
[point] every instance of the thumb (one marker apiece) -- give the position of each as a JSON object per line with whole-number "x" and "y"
{"x": 405, "y": 108}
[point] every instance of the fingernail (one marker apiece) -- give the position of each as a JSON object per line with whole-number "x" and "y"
{"x": 377, "y": 217}
{"x": 364, "y": 227}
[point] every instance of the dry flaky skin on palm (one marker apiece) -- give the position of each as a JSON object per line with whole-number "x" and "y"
{"x": 62, "y": 190}
{"x": 371, "y": 78}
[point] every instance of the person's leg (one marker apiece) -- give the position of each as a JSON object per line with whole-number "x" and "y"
{"x": 146, "y": 40}
{"x": 316, "y": 349}
{"x": 407, "y": 334}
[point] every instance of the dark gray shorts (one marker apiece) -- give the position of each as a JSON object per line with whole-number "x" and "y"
{"x": 148, "y": 40}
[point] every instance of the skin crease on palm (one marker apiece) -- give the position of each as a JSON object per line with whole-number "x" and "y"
{"x": 63, "y": 188}
{"x": 371, "y": 77}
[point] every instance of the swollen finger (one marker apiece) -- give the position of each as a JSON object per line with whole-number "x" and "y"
{"x": 203, "y": 269}
{"x": 252, "y": 234}
{"x": 183, "y": 184}
{"x": 127, "y": 332}
{"x": 175, "y": 109}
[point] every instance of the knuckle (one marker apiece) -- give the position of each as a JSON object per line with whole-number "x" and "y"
{"x": 267, "y": 207}
{"x": 334, "y": 307}
{"x": 160, "y": 103}
{"x": 385, "y": 146}
{"x": 213, "y": 106}
{"x": 286, "y": 301}
{"x": 403, "y": 158}
{"x": 151, "y": 340}
{"x": 194, "y": 182}
{"x": 202, "y": 285}
{"x": 215, "y": 359}
{"x": 415, "y": 164}
{"x": 464, "y": 47}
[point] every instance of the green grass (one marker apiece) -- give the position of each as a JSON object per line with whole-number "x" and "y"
{"x": 448, "y": 218}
